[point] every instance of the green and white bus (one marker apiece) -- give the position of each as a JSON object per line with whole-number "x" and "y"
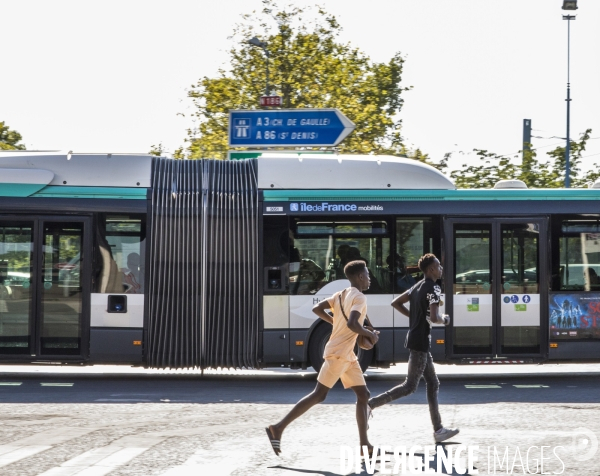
{"x": 134, "y": 259}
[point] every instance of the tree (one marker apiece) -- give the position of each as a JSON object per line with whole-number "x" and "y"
{"x": 535, "y": 173}
{"x": 161, "y": 151}
{"x": 492, "y": 168}
{"x": 157, "y": 150}
{"x": 9, "y": 140}
{"x": 555, "y": 174}
{"x": 309, "y": 68}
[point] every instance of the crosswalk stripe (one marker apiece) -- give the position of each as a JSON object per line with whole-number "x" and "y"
{"x": 52, "y": 437}
{"x": 96, "y": 462}
{"x": 12, "y": 454}
{"x": 201, "y": 463}
{"x": 103, "y": 460}
{"x": 8, "y": 448}
{"x": 31, "y": 445}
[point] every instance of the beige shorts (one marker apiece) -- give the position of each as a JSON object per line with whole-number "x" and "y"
{"x": 335, "y": 368}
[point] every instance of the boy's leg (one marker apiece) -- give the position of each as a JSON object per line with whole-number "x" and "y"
{"x": 352, "y": 377}
{"x": 433, "y": 387}
{"x": 416, "y": 366}
{"x": 362, "y": 416}
{"x": 316, "y": 396}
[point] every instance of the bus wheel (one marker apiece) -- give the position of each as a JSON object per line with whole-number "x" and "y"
{"x": 365, "y": 357}
{"x": 319, "y": 339}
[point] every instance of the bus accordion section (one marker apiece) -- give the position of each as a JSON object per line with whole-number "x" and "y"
{"x": 203, "y": 296}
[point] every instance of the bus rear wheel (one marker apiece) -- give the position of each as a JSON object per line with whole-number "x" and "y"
{"x": 317, "y": 343}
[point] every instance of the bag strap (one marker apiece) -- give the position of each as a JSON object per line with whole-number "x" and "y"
{"x": 367, "y": 321}
{"x": 342, "y": 307}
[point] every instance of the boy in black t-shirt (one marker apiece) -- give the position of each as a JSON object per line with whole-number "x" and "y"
{"x": 424, "y": 298}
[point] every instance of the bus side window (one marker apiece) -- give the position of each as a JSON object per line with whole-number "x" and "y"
{"x": 119, "y": 263}
{"x": 414, "y": 238}
{"x": 578, "y": 254}
{"x": 278, "y": 254}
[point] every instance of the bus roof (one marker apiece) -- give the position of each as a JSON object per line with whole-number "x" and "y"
{"x": 287, "y": 171}
{"x": 276, "y": 170}
{"x": 26, "y": 172}
{"x": 282, "y": 175}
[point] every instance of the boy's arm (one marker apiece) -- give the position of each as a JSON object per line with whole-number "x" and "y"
{"x": 354, "y": 325}
{"x": 320, "y": 308}
{"x": 434, "y": 313}
{"x": 399, "y": 303}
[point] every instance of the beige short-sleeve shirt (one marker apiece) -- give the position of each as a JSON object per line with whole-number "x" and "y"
{"x": 342, "y": 340}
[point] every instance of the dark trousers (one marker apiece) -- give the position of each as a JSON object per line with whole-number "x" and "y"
{"x": 420, "y": 364}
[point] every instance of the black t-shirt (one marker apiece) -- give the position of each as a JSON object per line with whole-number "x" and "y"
{"x": 422, "y": 294}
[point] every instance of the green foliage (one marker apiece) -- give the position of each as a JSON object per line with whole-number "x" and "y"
{"x": 9, "y": 140}
{"x": 535, "y": 173}
{"x": 491, "y": 168}
{"x": 160, "y": 151}
{"x": 157, "y": 150}
{"x": 308, "y": 68}
{"x": 555, "y": 174}
{"x": 417, "y": 154}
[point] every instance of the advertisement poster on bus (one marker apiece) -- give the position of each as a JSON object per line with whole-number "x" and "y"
{"x": 575, "y": 316}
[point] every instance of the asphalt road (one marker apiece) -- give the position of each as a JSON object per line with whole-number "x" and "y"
{"x": 90, "y": 422}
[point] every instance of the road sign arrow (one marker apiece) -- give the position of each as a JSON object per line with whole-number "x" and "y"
{"x": 288, "y": 128}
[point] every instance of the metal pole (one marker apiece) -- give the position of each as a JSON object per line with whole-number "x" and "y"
{"x": 267, "y": 87}
{"x": 568, "y": 144}
{"x": 526, "y": 138}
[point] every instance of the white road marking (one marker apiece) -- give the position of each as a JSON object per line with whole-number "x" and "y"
{"x": 203, "y": 461}
{"x": 96, "y": 462}
{"x": 12, "y": 453}
{"x": 34, "y": 444}
{"x": 103, "y": 460}
{"x": 122, "y": 400}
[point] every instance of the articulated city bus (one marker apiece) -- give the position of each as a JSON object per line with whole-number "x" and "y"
{"x": 134, "y": 259}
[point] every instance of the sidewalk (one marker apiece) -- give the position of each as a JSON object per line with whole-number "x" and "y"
{"x": 444, "y": 371}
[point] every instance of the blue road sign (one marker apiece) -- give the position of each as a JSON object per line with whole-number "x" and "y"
{"x": 288, "y": 128}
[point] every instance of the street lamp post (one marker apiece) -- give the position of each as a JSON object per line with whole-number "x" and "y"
{"x": 261, "y": 44}
{"x": 568, "y": 5}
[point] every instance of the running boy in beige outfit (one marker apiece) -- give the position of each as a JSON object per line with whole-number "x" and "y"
{"x": 340, "y": 360}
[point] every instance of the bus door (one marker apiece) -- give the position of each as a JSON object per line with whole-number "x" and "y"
{"x": 44, "y": 284}
{"x": 495, "y": 272}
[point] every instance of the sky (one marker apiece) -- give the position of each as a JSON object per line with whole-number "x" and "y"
{"x": 113, "y": 76}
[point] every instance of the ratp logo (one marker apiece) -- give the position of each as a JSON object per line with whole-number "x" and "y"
{"x": 293, "y": 207}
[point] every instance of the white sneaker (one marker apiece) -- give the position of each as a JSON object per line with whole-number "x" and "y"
{"x": 444, "y": 434}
